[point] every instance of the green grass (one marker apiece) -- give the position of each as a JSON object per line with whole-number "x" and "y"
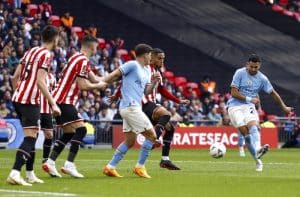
{"x": 201, "y": 176}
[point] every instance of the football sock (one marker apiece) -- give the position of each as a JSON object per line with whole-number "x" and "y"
{"x": 75, "y": 143}
{"x": 167, "y": 140}
{"x": 23, "y": 153}
{"x": 254, "y": 132}
{"x": 46, "y": 148}
{"x": 249, "y": 140}
{"x": 30, "y": 161}
{"x": 119, "y": 154}
{"x": 241, "y": 139}
{"x": 60, "y": 144}
{"x": 144, "y": 152}
{"x": 162, "y": 121}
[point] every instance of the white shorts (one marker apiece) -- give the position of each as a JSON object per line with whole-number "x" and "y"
{"x": 135, "y": 120}
{"x": 243, "y": 114}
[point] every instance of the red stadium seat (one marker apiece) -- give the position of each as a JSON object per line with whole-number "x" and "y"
{"x": 193, "y": 85}
{"x": 180, "y": 81}
{"x": 283, "y": 2}
{"x": 123, "y": 52}
{"x": 168, "y": 74}
{"x": 55, "y": 20}
{"x": 78, "y": 31}
{"x": 288, "y": 13}
{"x": 297, "y": 16}
{"x": 277, "y": 8}
{"x": 33, "y": 9}
{"x": 102, "y": 43}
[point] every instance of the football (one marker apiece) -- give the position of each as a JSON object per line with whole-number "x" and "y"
{"x": 217, "y": 150}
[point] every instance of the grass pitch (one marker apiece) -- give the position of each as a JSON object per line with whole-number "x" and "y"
{"x": 201, "y": 175}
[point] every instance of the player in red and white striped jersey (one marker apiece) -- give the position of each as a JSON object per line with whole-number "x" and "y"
{"x": 74, "y": 77}
{"x": 46, "y": 117}
{"x": 159, "y": 116}
{"x": 28, "y": 81}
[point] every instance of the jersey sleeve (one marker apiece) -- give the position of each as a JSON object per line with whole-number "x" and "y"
{"x": 83, "y": 69}
{"x": 236, "y": 80}
{"x": 267, "y": 86}
{"x": 45, "y": 61}
{"x": 127, "y": 67}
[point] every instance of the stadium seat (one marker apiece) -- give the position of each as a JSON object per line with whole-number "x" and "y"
{"x": 33, "y": 9}
{"x": 55, "y": 20}
{"x": 283, "y": 2}
{"x": 170, "y": 76}
{"x": 101, "y": 42}
{"x": 180, "y": 81}
{"x": 78, "y": 31}
{"x": 288, "y": 13}
{"x": 297, "y": 16}
{"x": 193, "y": 85}
{"x": 123, "y": 52}
{"x": 277, "y": 8}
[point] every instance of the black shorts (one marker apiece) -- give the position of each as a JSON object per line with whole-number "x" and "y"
{"x": 149, "y": 109}
{"x": 69, "y": 114}
{"x": 28, "y": 114}
{"x": 46, "y": 121}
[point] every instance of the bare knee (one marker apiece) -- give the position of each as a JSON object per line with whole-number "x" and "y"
{"x": 48, "y": 134}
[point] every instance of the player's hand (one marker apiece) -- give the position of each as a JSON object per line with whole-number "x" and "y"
{"x": 55, "y": 110}
{"x": 184, "y": 101}
{"x": 287, "y": 110}
{"x": 156, "y": 77}
{"x": 102, "y": 85}
{"x": 255, "y": 101}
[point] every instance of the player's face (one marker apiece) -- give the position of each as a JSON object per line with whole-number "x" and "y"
{"x": 55, "y": 41}
{"x": 147, "y": 58}
{"x": 158, "y": 59}
{"x": 93, "y": 48}
{"x": 253, "y": 67}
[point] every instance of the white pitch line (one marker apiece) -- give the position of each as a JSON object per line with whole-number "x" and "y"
{"x": 36, "y": 193}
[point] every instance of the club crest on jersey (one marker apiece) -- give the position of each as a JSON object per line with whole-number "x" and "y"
{"x": 249, "y": 82}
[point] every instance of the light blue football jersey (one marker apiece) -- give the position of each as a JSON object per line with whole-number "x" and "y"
{"x": 249, "y": 85}
{"x": 135, "y": 78}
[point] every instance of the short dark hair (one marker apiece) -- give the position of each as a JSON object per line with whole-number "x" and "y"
{"x": 49, "y": 33}
{"x": 86, "y": 40}
{"x": 141, "y": 49}
{"x": 157, "y": 51}
{"x": 254, "y": 58}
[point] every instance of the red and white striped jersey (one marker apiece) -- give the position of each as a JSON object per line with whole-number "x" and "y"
{"x": 152, "y": 97}
{"x": 50, "y": 81}
{"x": 27, "y": 91}
{"x": 67, "y": 90}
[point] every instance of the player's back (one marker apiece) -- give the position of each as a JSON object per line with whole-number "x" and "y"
{"x": 67, "y": 89}
{"x": 34, "y": 59}
{"x": 135, "y": 78}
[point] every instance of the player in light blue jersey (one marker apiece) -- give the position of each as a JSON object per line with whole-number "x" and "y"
{"x": 136, "y": 81}
{"x": 246, "y": 84}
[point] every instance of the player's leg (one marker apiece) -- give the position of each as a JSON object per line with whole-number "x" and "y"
{"x": 241, "y": 143}
{"x": 69, "y": 166}
{"x": 237, "y": 116}
{"x": 167, "y": 140}
{"x": 47, "y": 128}
{"x": 161, "y": 116}
{"x": 67, "y": 117}
{"x": 29, "y": 116}
{"x": 129, "y": 141}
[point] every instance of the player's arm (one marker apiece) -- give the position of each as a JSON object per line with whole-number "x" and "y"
{"x": 113, "y": 76}
{"x": 94, "y": 78}
{"x": 16, "y": 76}
{"x": 235, "y": 93}
{"x": 41, "y": 83}
{"x": 279, "y": 100}
{"x": 166, "y": 94}
{"x": 85, "y": 84}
